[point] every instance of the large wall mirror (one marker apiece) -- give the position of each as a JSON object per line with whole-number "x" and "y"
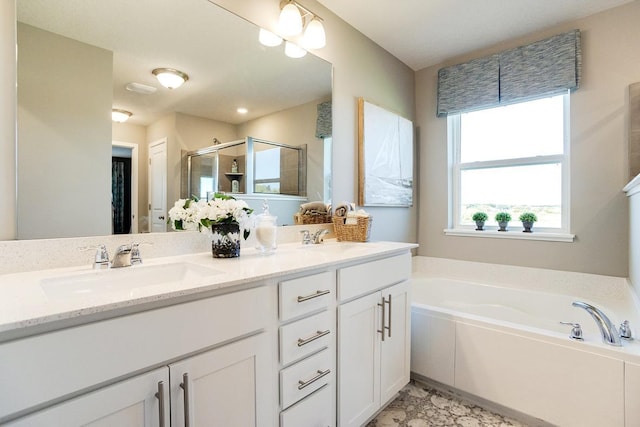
{"x": 78, "y": 59}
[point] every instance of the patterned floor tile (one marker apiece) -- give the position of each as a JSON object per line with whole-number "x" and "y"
{"x": 421, "y": 406}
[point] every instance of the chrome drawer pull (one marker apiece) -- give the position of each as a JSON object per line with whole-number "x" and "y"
{"x": 303, "y": 384}
{"x": 312, "y": 296}
{"x": 160, "y": 396}
{"x": 388, "y": 328}
{"x": 319, "y": 334}
{"x": 382, "y": 326}
{"x": 184, "y": 385}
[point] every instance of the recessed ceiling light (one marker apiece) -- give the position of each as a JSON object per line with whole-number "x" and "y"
{"x": 242, "y": 110}
{"x": 140, "y": 88}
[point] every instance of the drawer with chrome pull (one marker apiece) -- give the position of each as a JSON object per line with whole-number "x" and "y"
{"x": 306, "y": 294}
{"x": 305, "y": 377}
{"x": 306, "y": 336}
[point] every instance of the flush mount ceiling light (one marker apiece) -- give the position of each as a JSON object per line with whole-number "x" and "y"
{"x": 294, "y": 17}
{"x": 170, "y": 77}
{"x": 292, "y": 50}
{"x": 120, "y": 116}
{"x": 267, "y": 38}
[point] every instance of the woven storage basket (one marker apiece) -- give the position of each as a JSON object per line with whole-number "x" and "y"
{"x": 352, "y": 232}
{"x": 300, "y": 219}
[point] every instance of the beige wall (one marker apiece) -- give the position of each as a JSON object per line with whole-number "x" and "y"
{"x": 360, "y": 69}
{"x": 64, "y": 135}
{"x": 599, "y": 161}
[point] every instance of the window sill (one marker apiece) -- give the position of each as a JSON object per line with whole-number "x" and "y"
{"x": 512, "y": 234}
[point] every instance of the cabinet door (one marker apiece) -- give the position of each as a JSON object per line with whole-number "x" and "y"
{"x": 227, "y": 386}
{"x": 395, "y": 353}
{"x": 130, "y": 403}
{"x": 358, "y": 360}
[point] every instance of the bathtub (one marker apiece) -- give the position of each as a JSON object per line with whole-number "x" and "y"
{"x": 474, "y": 332}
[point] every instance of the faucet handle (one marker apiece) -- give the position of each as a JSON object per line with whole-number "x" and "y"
{"x": 135, "y": 253}
{"x": 576, "y": 331}
{"x": 101, "y": 258}
{"x": 625, "y": 331}
{"x": 306, "y": 237}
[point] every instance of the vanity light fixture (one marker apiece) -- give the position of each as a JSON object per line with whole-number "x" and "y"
{"x": 120, "y": 116}
{"x": 267, "y": 38}
{"x": 292, "y": 50}
{"x": 293, "y": 19}
{"x": 170, "y": 77}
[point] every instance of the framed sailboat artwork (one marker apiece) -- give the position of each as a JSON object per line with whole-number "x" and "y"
{"x": 385, "y": 157}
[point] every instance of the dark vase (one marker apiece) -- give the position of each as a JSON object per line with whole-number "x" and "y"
{"x": 479, "y": 225}
{"x": 527, "y": 226}
{"x": 225, "y": 240}
{"x": 502, "y": 225}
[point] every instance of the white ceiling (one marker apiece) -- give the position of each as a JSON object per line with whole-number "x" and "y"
{"x": 426, "y": 32}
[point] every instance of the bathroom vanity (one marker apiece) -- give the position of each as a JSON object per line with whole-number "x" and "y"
{"x": 311, "y": 335}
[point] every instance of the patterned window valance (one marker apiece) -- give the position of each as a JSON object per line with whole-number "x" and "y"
{"x": 323, "y": 122}
{"x": 542, "y": 68}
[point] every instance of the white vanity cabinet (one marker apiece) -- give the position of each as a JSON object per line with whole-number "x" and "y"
{"x": 373, "y": 336}
{"x": 307, "y": 350}
{"x": 216, "y": 352}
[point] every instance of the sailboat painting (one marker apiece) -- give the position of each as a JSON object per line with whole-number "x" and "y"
{"x": 385, "y": 157}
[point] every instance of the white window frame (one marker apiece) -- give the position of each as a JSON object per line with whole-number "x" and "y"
{"x": 456, "y": 167}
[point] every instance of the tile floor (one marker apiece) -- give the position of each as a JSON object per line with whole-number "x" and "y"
{"x": 421, "y": 406}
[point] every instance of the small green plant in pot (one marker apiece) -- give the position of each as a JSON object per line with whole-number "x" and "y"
{"x": 480, "y": 218}
{"x": 528, "y": 218}
{"x": 503, "y": 219}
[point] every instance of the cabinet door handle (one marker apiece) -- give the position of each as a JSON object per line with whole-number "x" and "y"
{"x": 312, "y": 296}
{"x": 318, "y": 334}
{"x": 303, "y": 384}
{"x": 185, "y": 386}
{"x": 382, "y": 326}
{"x": 389, "y": 327}
{"x": 160, "y": 396}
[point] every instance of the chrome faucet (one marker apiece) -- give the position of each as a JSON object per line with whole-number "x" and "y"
{"x": 608, "y": 330}
{"x": 126, "y": 256}
{"x": 317, "y": 237}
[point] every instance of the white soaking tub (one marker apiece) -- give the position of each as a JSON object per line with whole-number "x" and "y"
{"x": 479, "y": 328}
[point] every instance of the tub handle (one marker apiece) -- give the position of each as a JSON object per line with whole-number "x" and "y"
{"x": 576, "y": 331}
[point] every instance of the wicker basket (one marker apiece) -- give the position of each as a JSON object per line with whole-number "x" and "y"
{"x": 301, "y": 219}
{"x": 352, "y": 232}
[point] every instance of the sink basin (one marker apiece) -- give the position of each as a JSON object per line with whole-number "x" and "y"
{"x": 97, "y": 282}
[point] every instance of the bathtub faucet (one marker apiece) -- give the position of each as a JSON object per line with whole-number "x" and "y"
{"x": 608, "y": 330}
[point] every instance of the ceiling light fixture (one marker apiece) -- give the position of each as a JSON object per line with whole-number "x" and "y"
{"x": 242, "y": 110}
{"x": 292, "y": 50}
{"x": 120, "y": 116}
{"x": 267, "y": 38}
{"x": 170, "y": 77}
{"x": 293, "y": 19}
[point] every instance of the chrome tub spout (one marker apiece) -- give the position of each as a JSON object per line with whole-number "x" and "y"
{"x": 608, "y": 330}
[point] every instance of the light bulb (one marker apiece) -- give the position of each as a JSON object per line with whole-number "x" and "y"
{"x": 290, "y": 23}
{"x": 294, "y": 51}
{"x": 314, "y": 36}
{"x": 267, "y": 38}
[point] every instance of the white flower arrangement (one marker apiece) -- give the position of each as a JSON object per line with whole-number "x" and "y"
{"x": 194, "y": 214}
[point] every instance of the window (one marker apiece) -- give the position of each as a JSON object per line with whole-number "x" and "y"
{"x": 511, "y": 158}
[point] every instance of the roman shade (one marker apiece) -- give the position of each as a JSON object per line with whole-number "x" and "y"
{"x": 543, "y": 68}
{"x": 323, "y": 121}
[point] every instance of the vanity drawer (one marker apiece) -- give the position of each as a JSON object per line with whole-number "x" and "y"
{"x": 367, "y": 277}
{"x": 301, "y": 338}
{"x": 312, "y": 411}
{"x": 305, "y": 377}
{"x": 306, "y": 294}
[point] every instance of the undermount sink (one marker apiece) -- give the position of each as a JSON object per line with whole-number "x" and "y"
{"x": 120, "y": 279}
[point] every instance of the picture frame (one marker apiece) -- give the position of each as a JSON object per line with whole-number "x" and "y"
{"x": 385, "y": 157}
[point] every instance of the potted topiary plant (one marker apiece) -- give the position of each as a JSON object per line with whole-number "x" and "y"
{"x": 528, "y": 218}
{"x": 480, "y": 218}
{"x": 503, "y": 219}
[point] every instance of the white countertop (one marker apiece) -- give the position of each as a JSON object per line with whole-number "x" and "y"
{"x": 25, "y": 303}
